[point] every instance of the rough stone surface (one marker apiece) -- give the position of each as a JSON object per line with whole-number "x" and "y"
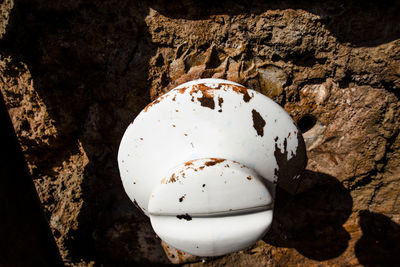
{"x": 75, "y": 73}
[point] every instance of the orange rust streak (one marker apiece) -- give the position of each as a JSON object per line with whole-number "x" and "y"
{"x": 213, "y": 161}
{"x": 172, "y": 179}
{"x": 151, "y": 104}
{"x": 182, "y": 90}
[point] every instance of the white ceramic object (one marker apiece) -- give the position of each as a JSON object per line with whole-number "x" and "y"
{"x": 202, "y": 162}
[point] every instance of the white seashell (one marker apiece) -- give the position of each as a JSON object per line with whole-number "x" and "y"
{"x": 179, "y": 136}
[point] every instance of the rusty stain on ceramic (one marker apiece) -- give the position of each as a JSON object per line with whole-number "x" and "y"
{"x": 208, "y": 184}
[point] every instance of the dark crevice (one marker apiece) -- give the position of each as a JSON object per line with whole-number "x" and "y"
{"x": 306, "y": 123}
{"x": 305, "y": 60}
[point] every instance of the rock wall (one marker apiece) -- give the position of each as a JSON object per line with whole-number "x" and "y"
{"x": 75, "y": 73}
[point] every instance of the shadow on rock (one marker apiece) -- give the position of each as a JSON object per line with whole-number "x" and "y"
{"x": 90, "y": 63}
{"x": 311, "y": 221}
{"x": 380, "y": 242}
{"x": 360, "y": 23}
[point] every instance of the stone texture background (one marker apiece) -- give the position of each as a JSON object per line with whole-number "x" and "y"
{"x": 75, "y": 73}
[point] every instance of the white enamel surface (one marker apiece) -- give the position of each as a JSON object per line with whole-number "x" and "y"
{"x": 209, "y": 187}
{"x": 176, "y": 129}
{"x": 212, "y": 236}
{"x": 200, "y": 162}
{"x": 210, "y": 207}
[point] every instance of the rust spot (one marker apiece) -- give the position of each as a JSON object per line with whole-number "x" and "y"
{"x": 220, "y": 101}
{"x": 182, "y": 198}
{"x": 202, "y": 167}
{"x": 134, "y": 182}
{"x": 243, "y": 91}
{"x": 206, "y": 102}
{"x": 173, "y": 125}
{"x": 204, "y": 185}
{"x": 207, "y": 98}
{"x": 185, "y": 134}
{"x": 174, "y": 98}
{"x": 258, "y": 122}
{"x": 182, "y": 90}
{"x": 188, "y": 163}
{"x": 192, "y": 144}
{"x": 141, "y": 138}
{"x": 276, "y": 138}
{"x": 246, "y": 97}
{"x": 183, "y": 175}
{"x": 249, "y": 177}
{"x": 176, "y": 110}
{"x": 164, "y": 181}
{"x": 186, "y": 216}
{"x": 288, "y": 169}
{"x": 172, "y": 179}
{"x": 213, "y": 161}
{"x": 153, "y": 103}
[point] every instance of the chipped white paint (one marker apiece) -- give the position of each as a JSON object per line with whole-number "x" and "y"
{"x": 200, "y": 162}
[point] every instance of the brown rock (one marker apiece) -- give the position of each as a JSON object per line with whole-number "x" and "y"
{"x": 177, "y": 256}
{"x": 74, "y": 75}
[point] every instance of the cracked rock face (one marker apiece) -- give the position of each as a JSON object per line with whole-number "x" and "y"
{"x": 75, "y": 74}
